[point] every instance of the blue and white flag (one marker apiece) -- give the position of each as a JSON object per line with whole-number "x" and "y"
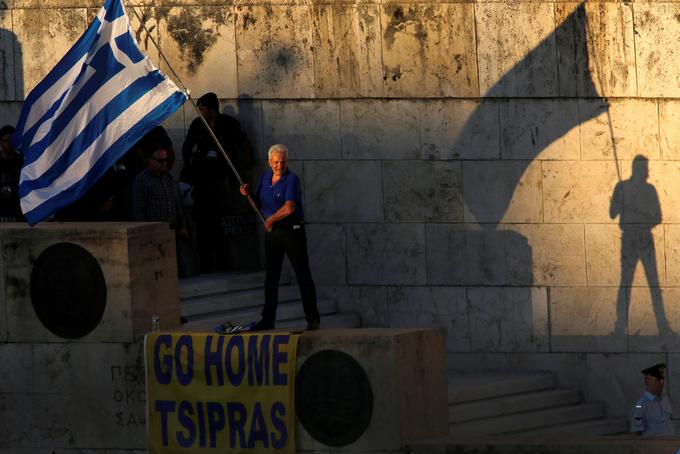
{"x": 96, "y": 103}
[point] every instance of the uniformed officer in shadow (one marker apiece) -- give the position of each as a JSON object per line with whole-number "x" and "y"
{"x": 651, "y": 416}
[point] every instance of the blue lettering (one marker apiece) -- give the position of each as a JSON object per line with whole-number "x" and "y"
{"x": 201, "y": 424}
{"x": 258, "y": 365}
{"x": 258, "y": 430}
{"x": 182, "y": 416}
{"x": 278, "y": 411}
{"x": 165, "y": 407}
{"x": 215, "y": 421}
{"x": 184, "y": 378}
{"x": 279, "y": 358}
{"x": 237, "y": 422}
{"x": 213, "y": 359}
{"x": 235, "y": 377}
{"x": 162, "y": 370}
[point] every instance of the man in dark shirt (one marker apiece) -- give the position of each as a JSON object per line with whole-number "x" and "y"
{"x": 278, "y": 195}
{"x": 214, "y": 184}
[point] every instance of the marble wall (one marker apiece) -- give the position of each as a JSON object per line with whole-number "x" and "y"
{"x": 506, "y": 171}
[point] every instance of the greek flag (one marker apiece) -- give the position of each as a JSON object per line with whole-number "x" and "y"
{"x": 99, "y": 100}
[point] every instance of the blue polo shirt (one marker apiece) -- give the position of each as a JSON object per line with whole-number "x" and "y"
{"x": 273, "y": 197}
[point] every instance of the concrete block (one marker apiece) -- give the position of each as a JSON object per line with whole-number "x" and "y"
{"x": 596, "y": 55}
{"x": 582, "y": 319}
{"x": 339, "y": 191}
{"x": 539, "y": 129}
{"x": 429, "y": 50}
{"x": 459, "y": 255}
{"x": 136, "y": 260}
{"x": 9, "y": 46}
{"x": 386, "y": 254}
{"x": 604, "y": 260}
{"x": 347, "y": 50}
{"x": 311, "y": 129}
{"x": 657, "y": 32}
{"x": 631, "y": 124}
{"x": 653, "y": 322}
{"x": 423, "y": 191}
{"x": 45, "y": 35}
{"x": 327, "y": 253}
{"x": 616, "y": 379}
{"x": 369, "y": 302}
{"x": 578, "y": 191}
{"x": 199, "y": 43}
{"x": 672, "y": 251}
{"x": 112, "y": 395}
{"x": 557, "y": 254}
{"x": 380, "y": 129}
{"x": 504, "y": 69}
{"x": 444, "y": 308}
{"x": 654, "y": 199}
{"x": 405, "y": 368}
{"x": 460, "y": 129}
{"x": 502, "y": 191}
{"x": 35, "y": 368}
{"x": 509, "y": 319}
{"x": 274, "y": 46}
{"x": 46, "y": 425}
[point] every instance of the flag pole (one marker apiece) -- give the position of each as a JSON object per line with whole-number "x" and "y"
{"x": 200, "y": 115}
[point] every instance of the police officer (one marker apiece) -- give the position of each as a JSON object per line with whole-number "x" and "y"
{"x": 651, "y": 416}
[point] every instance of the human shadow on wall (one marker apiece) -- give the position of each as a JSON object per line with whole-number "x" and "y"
{"x": 636, "y": 203}
{"x": 11, "y": 72}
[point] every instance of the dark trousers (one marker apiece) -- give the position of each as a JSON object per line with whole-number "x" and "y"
{"x": 290, "y": 241}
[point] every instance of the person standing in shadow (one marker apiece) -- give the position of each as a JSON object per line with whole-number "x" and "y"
{"x": 636, "y": 203}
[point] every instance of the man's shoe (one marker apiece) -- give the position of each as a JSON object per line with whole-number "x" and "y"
{"x": 262, "y": 325}
{"x": 313, "y": 325}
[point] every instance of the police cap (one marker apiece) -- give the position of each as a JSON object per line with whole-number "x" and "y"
{"x": 657, "y": 370}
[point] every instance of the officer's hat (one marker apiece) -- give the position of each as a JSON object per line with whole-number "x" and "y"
{"x": 657, "y": 370}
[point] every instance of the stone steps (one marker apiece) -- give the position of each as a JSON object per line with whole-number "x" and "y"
{"x": 207, "y": 301}
{"x": 525, "y": 405}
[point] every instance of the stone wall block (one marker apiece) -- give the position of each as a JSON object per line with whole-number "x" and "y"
{"x": 338, "y": 191}
{"x": 539, "y": 129}
{"x": 545, "y": 254}
{"x": 583, "y": 318}
{"x": 604, "y": 246}
{"x": 441, "y": 307}
{"x": 525, "y": 65}
{"x": 669, "y": 128}
{"x": 327, "y": 253}
{"x": 369, "y": 302}
{"x": 651, "y": 191}
{"x": 620, "y": 376}
{"x": 347, "y": 50}
{"x": 511, "y": 319}
{"x": 672, "y": 251}
{"x": 274, "y": 51}
{"x": 596, "y": 51}
{"x": 198, "y": 41}
{"x": 35, "y": 368}
{"x": 629, "y": 129}
{"x": 460, "y": 129}
{"x": 380, "y": 129}
{"x": 653, "y": 319}
{"x": 249, "y": 113}
{"x": 33, "y": 4}
{"x": 10, "y": 51}
{"x": 386, "y": 254}
{"x": 578, "y": 191}
{"x": 657, "y": 33}
{"x": 465, "y": 256}
{"x": 9, "y": 113}
{"x": 422, "y": 191}
{"x": 429, "y": 49}
{"x": 502, "y": 191}
{"x": 311, "y": 129}
{"x": 47, "y": 425}
{"x": 44, "y": 35}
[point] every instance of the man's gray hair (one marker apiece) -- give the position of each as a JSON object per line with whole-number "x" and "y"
{"x": 277, "y": 148}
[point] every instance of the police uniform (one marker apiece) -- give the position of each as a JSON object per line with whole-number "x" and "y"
{"x": 651, "y": 416}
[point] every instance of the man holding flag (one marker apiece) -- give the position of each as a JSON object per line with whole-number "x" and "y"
{"x": 94, "y": 105}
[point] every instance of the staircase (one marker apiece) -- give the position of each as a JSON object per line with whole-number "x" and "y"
{"x": 523, "y": 405}
{"x": 209, "y": 300}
